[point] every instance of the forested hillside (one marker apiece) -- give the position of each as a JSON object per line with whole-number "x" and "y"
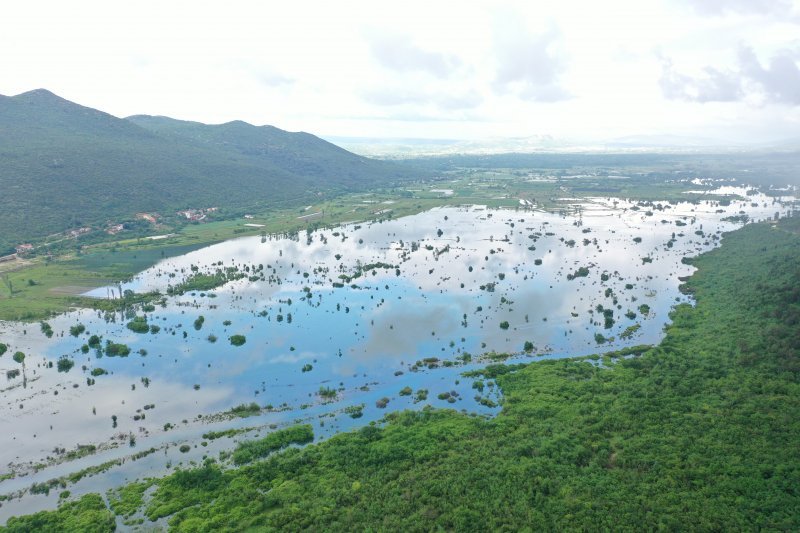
{"x": 299, "y": 153}
{"x": 63, "y": 166}
{"x": 700, "y": 433}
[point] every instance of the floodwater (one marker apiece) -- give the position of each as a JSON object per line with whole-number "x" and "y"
{"x": 435, "y": 287}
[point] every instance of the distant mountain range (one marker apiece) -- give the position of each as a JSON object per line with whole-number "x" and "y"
{"x": 405, "y": 148}
{"x": 64, "y": 166}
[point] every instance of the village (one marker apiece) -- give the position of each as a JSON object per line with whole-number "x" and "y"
{"x": 23, "y": 250}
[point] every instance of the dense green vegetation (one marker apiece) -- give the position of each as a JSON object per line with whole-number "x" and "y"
{"x": 88, "y": 514}
{"x": 64, "y": 166}
{"x": 699, "y": 432}
{"x": 249, "y": 451}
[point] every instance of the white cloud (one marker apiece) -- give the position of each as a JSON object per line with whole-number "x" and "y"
{"x": 273, "y": 79}
{"x": 747, "y": 7}
{"x": 387, "y": 96}
{"x": 419, "y": 69}
{"x": 528, "y": 64}
{"x": 777, "y": 83}
{"x": 398, "y": 52}
{"x": 713, "y": 86}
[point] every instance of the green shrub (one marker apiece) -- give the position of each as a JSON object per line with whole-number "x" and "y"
{"x": 138, "y": 325}
{"x": 244, "y": 410}
{"x": 117, "y": 350}
{"x": 249, "y": 451}
{"x": 528, "y": 347}
{"x": 65, "y": 364}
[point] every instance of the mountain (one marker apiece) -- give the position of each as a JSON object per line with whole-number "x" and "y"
{"x": 63, "y": 166}
{"x": 299, "y": 153}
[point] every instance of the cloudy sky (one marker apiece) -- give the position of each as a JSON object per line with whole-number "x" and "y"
{"x": 573, "y": 69}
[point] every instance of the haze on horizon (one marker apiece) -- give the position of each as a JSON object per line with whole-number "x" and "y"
{"x": 586, "y": 71}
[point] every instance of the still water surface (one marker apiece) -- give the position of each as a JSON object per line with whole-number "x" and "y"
{"x": 440, "y": 284}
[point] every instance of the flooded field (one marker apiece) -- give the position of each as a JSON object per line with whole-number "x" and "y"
{"x": 336, "y": 328}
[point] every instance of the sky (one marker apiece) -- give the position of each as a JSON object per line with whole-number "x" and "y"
{"x": 577, "y": 70}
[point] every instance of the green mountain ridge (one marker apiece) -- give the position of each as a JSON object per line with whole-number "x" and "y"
{"x": 298, "y": 152}
{"x": 63, "y": 166}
